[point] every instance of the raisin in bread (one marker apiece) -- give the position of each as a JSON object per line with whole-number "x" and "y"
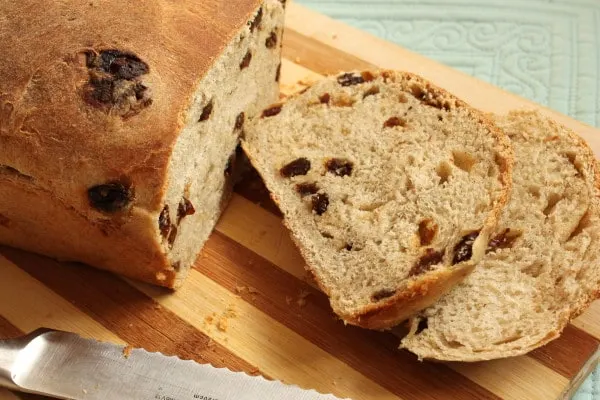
{"x": 389, "y": 185}
{"x": 542, "y": 266}
{"x": 118, "y": 121}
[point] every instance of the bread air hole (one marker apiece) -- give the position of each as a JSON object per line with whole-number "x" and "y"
{"x": 176, "y": 266}
{"x": 327, "y": 235}
{"x": 382, "y": 294}
{"x": 535, "y": 269}
{"x": 463, "y": 160}
{"x": 584, "y": 223}
{"x": 245, "y": 63}
{"x": 371, "y": 206}
{"x": 418, "y": 92}
{"x": 351, "y": 246}
{"x": 534, "y": 191}
{"x": 572, "y": 157}
{"x": 444, "y": 171}
{"x": 553, "y": 199}
{"x": 509, "y": 339}
{"x": 422, "y": 325}
{"x": 271, "y": 41}
{"x": 206, "y": 111}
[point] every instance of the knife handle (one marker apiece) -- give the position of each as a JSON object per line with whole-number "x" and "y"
{"x": 10, "y": 349}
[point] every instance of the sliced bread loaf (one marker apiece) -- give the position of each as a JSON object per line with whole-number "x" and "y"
{"x": 542, "y": 265}
{"x": 389, "y": 185}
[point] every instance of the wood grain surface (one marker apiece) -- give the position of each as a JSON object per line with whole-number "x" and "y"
{"x": 248, "y": 304}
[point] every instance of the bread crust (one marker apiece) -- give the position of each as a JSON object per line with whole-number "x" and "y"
{"x": 129, "y": 249}
{"x": 423, "y": 290}
{"x": 64, "y": 144}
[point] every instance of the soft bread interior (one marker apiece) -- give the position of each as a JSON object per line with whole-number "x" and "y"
{"x": 541, "y": 267}
{"x": 243, "y": 81}
{"x": 380, "y": 178}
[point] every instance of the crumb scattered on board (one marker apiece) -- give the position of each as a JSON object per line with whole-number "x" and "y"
{"x": 127, "y": 351}
{"x": 208, "y": 320}
{"x": 221, "y": 321}
{"x": 223, "y": 324}
{"x": 302, "y": 298}
{"x": 240, "y": 290}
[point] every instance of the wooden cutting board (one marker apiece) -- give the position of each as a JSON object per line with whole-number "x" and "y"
{"x": 248, "y": 304}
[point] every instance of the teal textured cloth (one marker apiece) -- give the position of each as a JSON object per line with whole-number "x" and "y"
{"x": 545, "y": 50}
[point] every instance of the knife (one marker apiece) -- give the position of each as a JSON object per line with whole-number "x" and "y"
{"x": 64, "y": 365}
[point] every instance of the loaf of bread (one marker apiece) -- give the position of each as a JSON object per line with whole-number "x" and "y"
{"x": 542, "y": 266}
{"x": 119, "y": 122}
{"x": 390, "y": 187}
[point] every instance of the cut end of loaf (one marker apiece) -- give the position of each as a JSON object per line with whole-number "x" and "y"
{"x": 202, "y": 167}
{"x": 389, "y": 185}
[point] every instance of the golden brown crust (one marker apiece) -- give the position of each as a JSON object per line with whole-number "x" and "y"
{"x": 424, "y": 290}
{"x": 415, "y": 297}
{"x": 592, "y": 161}
{"x": 75, "y": 238}
{"x": 46, "y": 115}
{"x": 68, "y": 140}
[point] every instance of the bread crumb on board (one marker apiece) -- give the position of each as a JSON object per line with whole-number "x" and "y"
{"x": 221, "y": 321}
{"x": 223, "y": 324}
{"x": 302, "y": 298}
{"x": 208, "y": 320}
{"x": 254, "y": 371}
{"x": 127, "y": 351}
{"x": 241, "y": 290}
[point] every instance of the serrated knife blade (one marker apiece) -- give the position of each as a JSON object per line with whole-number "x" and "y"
{"x": 64, "y": 365}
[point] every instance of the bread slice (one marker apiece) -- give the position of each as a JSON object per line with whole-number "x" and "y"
{"x": 117, "y": 138}
{"x": 389, "y": 185}
{"x": 542, "y": 266}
